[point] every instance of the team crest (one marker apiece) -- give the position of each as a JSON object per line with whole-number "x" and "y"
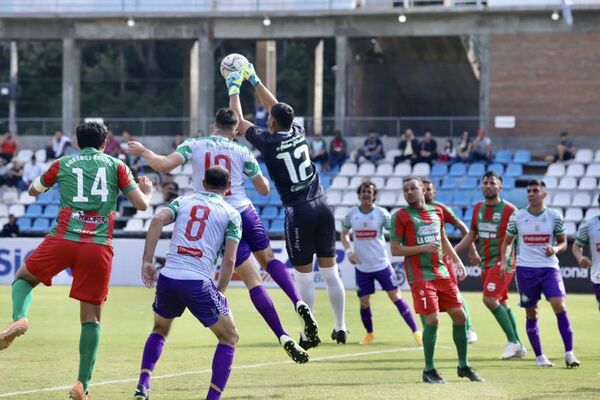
{"x": 537, "y": 228}
{"x": 496, "y": 217}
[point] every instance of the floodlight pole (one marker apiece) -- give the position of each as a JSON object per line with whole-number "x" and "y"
{"x": 12, "y": 104}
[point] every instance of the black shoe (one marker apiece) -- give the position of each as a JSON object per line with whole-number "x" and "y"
{"x": 432, "y": 377}
{"x": 310, "y": 327}
{"x": 339, "y": 336}
{"x": 307, "y": 344}
{"x": 141, "y": 393}
{"x": 468, "y": 372}
{"x": 296, "y": 353}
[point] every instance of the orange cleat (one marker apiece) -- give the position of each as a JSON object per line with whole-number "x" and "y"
{"x": 77, "y": 393}
{"x": 418, "y": 338}
{"x": 367, "y": 339}
{"x": 13, "y": 331}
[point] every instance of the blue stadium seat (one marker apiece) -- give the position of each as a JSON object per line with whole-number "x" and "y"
{"x": 51, "y": 211}
{"x": 259, "y": 200}
{"x": 522, "y": 157}
{"x": 497, "y": 168}
{"x": 274, "y": 199}
{"x": 282, "y": 213}
{"x": 41, "y": 225}
{"x": 458, "y": 169}
{"x": 509, "y": 182}
{"x": 436, "y": 180}
{"x": 516, "y": 196}
{"x": 503, "y": 156}
{"x": 476, "y": 169}
{"x": 514, "y": 170}
{"x": 45, "y": 198}
{"x": 470, "y": 182}
{"x": 277, "y": 227}
{"x": 449, "y": 183}
{"x": 468, "y": 213}
{"x": 34, "y": 211}
{"x": 55, "y": 196}
{"x": 439, "y": 170}
{"x": 248, "y": 184}
{"x": 476, "y": 195}
{"x": 450, "y": 230}
{"x": 462, "y": 198}
{"x": 325, "y": 181}
{"x": 24, "y": 223}
{"x": 331, "y": 173}
{"x": 269, "y": 212}
{"x": 444, "y": 196}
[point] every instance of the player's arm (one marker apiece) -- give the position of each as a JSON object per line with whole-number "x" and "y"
{"x": 265, "y": 96}
{"x": 449, "y": 250}
{"x": 399, "y": 250}
{"x": 559, "y": 247}
{"x": 227, "y": 264}
{"x": 155, "y": 161}
{"x": 236, "y": 105}
{"x": 581, "y": 240}
{"x": 347, "y": 244}
{"x": 44, "y": 182}
{"x": 261, "y": 184}
{"x": 140, "y": 195}
{"x": 160, "y": 219}
{"x": 506, "y": 252}
{"x": 36, "y": 187}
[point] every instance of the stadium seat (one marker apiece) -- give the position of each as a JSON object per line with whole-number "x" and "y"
{"x": 277, "y": 227}
{"x": 4, "y": 221}
{"x": 348, "y": 169}
{"x": 40, "y": 155}
{"x": 168, "y": 228}
{"x": 41, "y": 225}
{"x": 51, "y": 211}
{"x": 269, "y": 212}
{"x": 10, "y": 196}
{"x": 522, "y": 157}
{"x": 183, "y": 181}
{"x": 349, "y": 199}
{"x": 379, "y": 181}
{"x": 567, "y": 183}
{"x": 582, "y": 200}
{"x": 449, "y": 183}
{"x": 147, "y": 213}
{"x": 273, "y": 199}
{"x": 34, "y": 211}
{"x": 340, "y": 212}
{"x": 421, "y": 169}
{"x": 18, "y": 210}
{"x": 339, "y": 182}
{"x": 366, "y": 169}
{"x": 503, "y": 157}
{"x": 390, "y": 155}
{"x": 464, "y": 199}
{"x": 25, "y": 198}
{"x": 401, "y": 201}
{"x": 134, "y": 225}
{"x": 458, "y": 169}
{"x": 355, "y": 181}
{"x": 177, "y": 170}
{"x": 325, "y": 181}
{"x": 476, "y": 170}
{"x": 584, "y": 156}
{"x": 576, "y": 170}
{"x": 516, "y": 196}
{"x": 592, "y": 212}
{"x": 187, "y": 169}
{"x": 514, "y": 170}
{"x": 561, "y": 200}
{"x": 509, "y": 182}
{"x": 394, "y": 183}
{"x": 497, "y": 168}
{"x": 476, "y": 195}
{"x": 334, "y": 196}
{"x": 556, "y": 170}
{"x": 24, "y": 223}
{"x": 403, "y": 169}
{"x": 570, "y": 229}
{"x": 260, "y": 200}
{"x": 574, "y": 214}
{"x": 3, "y": 210}
{"x": 469, "y": 182}
{"x": 587, "y": 183}
{"x": 387, "y": 198}
{"x": 385, "y": 170}
{"x": 439, "y": 170}
{"x": 597, "y": 156}
{"x": 24, "y": 155}
{"x": 551, "y": 182}
{"x": 45, "y": 198}
{"x": 468, "y": 214}
{"x": 593, "y": 170}
{"x": 156, "y": 199}
{"x": 445, "y": 197}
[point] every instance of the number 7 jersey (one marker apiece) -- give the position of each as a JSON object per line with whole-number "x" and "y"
{"x": 90, "y": 182}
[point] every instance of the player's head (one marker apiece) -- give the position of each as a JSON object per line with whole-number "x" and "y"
{"x": 226, "y": 122}
{"x": 91, "y": 134}
{"x": 281, "y": 117}
{"x": 216, "y": 180}
{"x": 412, "y": 188}
{"x": 428, "y": 190}
{"x": 536, "y": 192}
{"x": 367, "y": 193}
{"x": 491, "y": 185}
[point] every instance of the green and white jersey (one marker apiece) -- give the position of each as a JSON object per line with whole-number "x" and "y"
{"x": 589, "y": 234}
{"x": 369, "y": 243}
{"x": 206, "y": 152}
{"x": 203, "y": 222}
{"x": 535, "y": 232}
{"x": 90, "y": 182}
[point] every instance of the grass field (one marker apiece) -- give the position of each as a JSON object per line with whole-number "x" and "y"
{"x": 44, "y": 362}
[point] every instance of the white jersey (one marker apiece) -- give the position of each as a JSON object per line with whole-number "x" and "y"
{"x": 206, "y": 152}
{"x": 369, "y": 243}
{"x": 535, "y": 232}
{"x": 203, "y": 222}
{"x": 589, "y": 233}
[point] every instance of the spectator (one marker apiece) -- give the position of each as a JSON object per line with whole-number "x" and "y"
{"x": 338, "y": 150}
{"x": 176, "y": 142}
{"x": 371, "y": 150}
{"x": 113, "y": 146}
{"x": 465, "y": 147}
{"x": 482, "y": 147}
{"x": 57, "y": 146}
{"x": 170, "y": 188}
{"x": 8, "y": 147}
{"x": 11, "y": 229}
{"x": 565, "y": 150}
{"x": 449, "y": 152}
{"x": 427, "y": 150}
{"x": 13, "y": 176}
{"x": 198, "y": 133}
{"x": 318, "y": 150}
{"x": 408, "y": 146}
{"x": 31, "y": 171}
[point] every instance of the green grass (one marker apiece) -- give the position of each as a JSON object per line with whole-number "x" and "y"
{"x": 47, "y": 356}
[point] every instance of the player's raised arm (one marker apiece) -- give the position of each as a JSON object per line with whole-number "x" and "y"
{"x": 140, "y": 195}
{"x": 155, "y": 161}
{"x": 234, "y": 82}
{"x": 161, "y": 218}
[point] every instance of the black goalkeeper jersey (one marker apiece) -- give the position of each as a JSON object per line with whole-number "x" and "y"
{"x": 288, "y": 161}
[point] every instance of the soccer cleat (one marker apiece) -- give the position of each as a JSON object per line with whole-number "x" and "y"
{"x": 367, "y": 339}
{"x": 522, "y": 352}
{"x": 77, "y": 393}
{"x": 468, "y": 372}
{"x": 543, "y": 362}
{"x": 309, "y": 326}
{"x": 418, "y": 336}
{"x": 339, "y": 336}
{"x": 296, "y": 353}
{"x": 571, "y": 361}
{"x": 13, "y": 331}
{"x": 432, "y": 377}
{"x": 511, "y": 350}
{"x": 472, "y": 337}
{"x": 141, "y": 393}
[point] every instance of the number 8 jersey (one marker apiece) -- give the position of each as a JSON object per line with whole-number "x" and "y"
{"x": 90, "y": 182}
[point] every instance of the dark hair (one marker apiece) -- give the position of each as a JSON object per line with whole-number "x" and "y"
{"x": 536, "y": 182}
{"x": 367, "y": 184}
{"x": 564, "y": 134}
{"x": 217, "y": 178}
{"x": 491, "y": 174}
{"x": 598, "y": 198}
{"x": 412, "y": 178}
{"x": 283, "y": 114}
{"x": 427, "y": 181}
{"x": 91, "y": 134}
{"x": 226, "y": 119}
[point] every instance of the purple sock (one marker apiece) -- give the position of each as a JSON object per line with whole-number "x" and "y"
{"x": 365, "y": 316}
{"x": 408, "y": 316}
{"x": 534, "y": 336}
{"x": 152, "y": 351}
{"x": 264, "y": 304}
{"x": 283, "y": 278}
{"x": 566, "y": 332}
{"x": 221, "y": 368}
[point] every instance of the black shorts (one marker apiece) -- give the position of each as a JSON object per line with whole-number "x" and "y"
{"x": 309, "y": 230}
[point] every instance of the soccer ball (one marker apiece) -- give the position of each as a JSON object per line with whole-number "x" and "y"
{"x": 232, "y": 62}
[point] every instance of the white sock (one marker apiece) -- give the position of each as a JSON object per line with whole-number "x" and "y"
{"x": 306, "y": 286}
{"x": 337, "y": 295}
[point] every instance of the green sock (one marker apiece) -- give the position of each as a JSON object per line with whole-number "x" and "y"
{"x": 21, "y": 298}
{"x": 513, "y": 322}
{"x": 466, "y": 310}
{"x": 88, "y": 347}
{"x": 423, "y": 323}
{"x": 459, "y": 334}
{"x": 504, "y": 321}
{"x": 429, "y": 338}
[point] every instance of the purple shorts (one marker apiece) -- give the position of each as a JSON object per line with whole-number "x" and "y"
{"x": 531, "y": 282}
{"x": 597, "y": 291}
{"x": 202, "y": 298}
{"x": 254, "y": 236}
{"x": 365, "y": 281}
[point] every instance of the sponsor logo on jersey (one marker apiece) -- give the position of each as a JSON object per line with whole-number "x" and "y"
{"x": 491, "y": 286}
{"x": 536, "y": 240}
{"x": 487, "y": 226}
{"x": 431, "y": 229}
{"x": 88, "y": 219}
{"x": 365, "y": 234}
{"x": 496, "y": 217}
{"x": 189, "y": 251}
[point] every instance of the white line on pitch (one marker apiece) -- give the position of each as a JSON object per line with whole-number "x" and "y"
{"x": 205, "y": 371}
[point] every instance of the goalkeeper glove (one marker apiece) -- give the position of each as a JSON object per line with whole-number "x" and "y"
{"x": 234, "y": 81}
{"x": 250, "y": 74}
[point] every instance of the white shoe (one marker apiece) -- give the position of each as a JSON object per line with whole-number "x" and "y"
{"x": 511, "y": 350}
{"x": 542, "y": 361}
{"x": 522, "y": 352}
{"x": 472, "y": 336}
{"x": 571, "y": 360}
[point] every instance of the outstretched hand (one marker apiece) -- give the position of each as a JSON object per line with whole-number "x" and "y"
{"x": 234, "y": 82}
{"x": 148, "y": 274}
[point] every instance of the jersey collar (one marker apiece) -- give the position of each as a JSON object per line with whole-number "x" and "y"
{"x": 88, "y": 150}
{"x": 209, "y": 194}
